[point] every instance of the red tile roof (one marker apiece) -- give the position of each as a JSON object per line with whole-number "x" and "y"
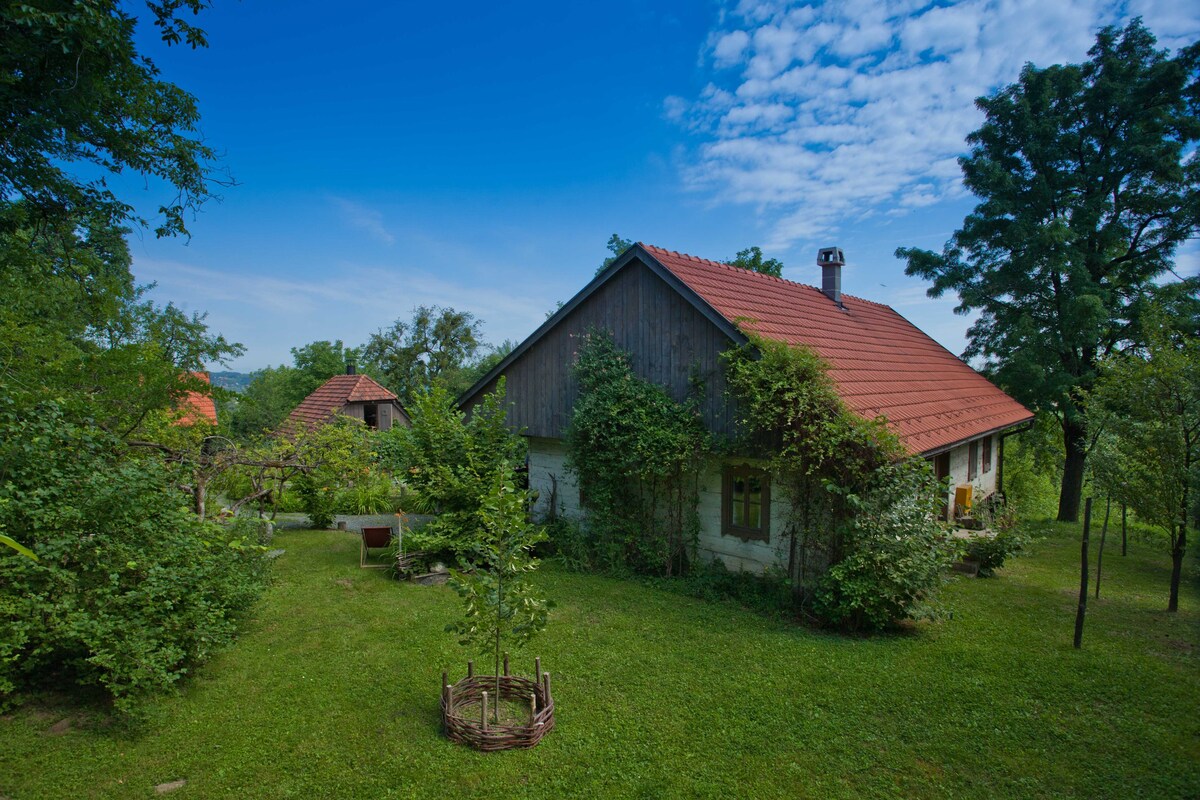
{"x": 881, "y": 364}
{"x": 197, "y": 407}
{"x": 331, "y": 396}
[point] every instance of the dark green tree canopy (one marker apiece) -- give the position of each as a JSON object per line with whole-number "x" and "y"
{"x": 616, "y": 245}
{"x": 436, "y": 344}
{"x": 1087, "y": 187}
{"x": 752, "y": 259}
{"x": 77, "y": 98}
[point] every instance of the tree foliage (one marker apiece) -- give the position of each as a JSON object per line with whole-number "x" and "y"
{"x": 1087, "y": 187}
{"x": 130, "y": 590}
{"x": 77, "y": 95}
{"x": 616, "y": 245}
{"x": 451, "y": 461}
{"x": 636, "y": 455}
{"x": 436, "y": 345}
{"x": 1145, "y": 412}
{"x": 752, "y": 259}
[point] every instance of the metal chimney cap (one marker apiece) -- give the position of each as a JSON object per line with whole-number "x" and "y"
{"x": 831, "y": 257}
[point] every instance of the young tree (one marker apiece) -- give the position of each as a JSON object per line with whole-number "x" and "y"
{"x": 1086, "y": 189}
{"x": 78, "y": 93}
{"x": 1148, "y": 406}
{"x": 752, "y": 259}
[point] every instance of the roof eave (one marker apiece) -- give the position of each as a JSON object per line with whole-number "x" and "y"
{"x": 934, "y": 451}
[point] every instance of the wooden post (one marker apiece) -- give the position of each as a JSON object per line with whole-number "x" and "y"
{"x": 1124, "y": 508}
{"x": 449, "y": 699}
{"x": 546, "y": 686}
{"x": 1083, "y": 574}
{"x": 445, "y": 680}
{"x": 506, "y": 665}
{"x": 1103, "y": 536}
{"x": 537, "y": 668}
{"x": 470, "y": 669}
{"x": 483, "y": 712}
{"x": 532, "y": 707}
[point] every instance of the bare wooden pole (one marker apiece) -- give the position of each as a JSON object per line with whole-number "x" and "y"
{"x": 1103, "y": 536}
{"x": 506, "y": 665}
{"x": 1124, "y": 541}
{"x": 470, "y": 669}
{"x": 546, "y": 686}
{"x": 483, "y": 712}
{"x": 1083, "y": 574}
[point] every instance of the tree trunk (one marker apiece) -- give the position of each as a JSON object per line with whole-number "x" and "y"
{"x": 1124, "y": 536}
{"x": 1177, "y": 566}
{"x": 1075, "y": 443}
{"x": 1103, "y": 536}
{"x": 200, "y": 495}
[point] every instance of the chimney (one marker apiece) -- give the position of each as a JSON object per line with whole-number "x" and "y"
{"x": 349, "y": 367}
{"x": 831, "y": 260}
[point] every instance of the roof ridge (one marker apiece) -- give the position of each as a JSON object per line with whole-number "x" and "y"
{"x": 726, "y": 265}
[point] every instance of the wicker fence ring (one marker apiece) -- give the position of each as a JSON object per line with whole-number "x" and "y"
{"x": 469, "y": 711}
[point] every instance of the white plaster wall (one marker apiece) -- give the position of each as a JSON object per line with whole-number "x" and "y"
{"x": 547, "y": 466}
{"x": 984, "y": 482}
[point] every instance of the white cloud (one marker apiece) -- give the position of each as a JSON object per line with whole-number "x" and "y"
{"x": 822, "y": 115}
{"x": 366, "y": 219}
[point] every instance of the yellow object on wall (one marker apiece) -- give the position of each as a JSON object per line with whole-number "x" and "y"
{"x": 962, "y": 499}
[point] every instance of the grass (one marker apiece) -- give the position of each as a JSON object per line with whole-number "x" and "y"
{"x": 332, "y": 692}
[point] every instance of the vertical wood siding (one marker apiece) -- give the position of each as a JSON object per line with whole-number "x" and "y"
{"x": 666, "y": 336}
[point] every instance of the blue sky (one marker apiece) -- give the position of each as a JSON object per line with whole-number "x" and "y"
{"x": 395, "y": 154}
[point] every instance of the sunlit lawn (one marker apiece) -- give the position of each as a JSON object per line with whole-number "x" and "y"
{"x": 332, "y": 692}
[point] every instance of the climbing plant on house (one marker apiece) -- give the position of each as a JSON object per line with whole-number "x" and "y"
{"x": 636, "y": 454}
{"x": 864, "y": 547}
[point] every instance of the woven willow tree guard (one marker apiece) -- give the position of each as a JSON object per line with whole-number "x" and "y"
{"x": 466, "y": 706}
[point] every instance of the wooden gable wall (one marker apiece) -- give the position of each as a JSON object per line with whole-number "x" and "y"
{"x": 663, "y": 332}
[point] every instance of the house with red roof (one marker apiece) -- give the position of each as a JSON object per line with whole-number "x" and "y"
{"x": 197, "y": 407}
{"x": 352, "y": 395}
{"x": 676, "y": 313}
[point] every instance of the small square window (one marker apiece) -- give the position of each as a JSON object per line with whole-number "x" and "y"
{"x": 746, "y": 503}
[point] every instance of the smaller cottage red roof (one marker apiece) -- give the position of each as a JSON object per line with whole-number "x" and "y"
{"x": 196, "y": 406}
{"x": 333, "y": 395}
{"x": 881, "y": 364}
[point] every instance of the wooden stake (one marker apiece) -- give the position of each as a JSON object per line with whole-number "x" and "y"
{"x": 1083, "y": 574}
{"x": 506, "y": 665}
{"x": 537, "y": 668}
{"x": 532, "y": 707}
{"x": 1103, "y": 536}
{"x": 470, "y": 669}
{"x": 449, "y": 699}
{"x": 483, "y": 712}
{"x": 546, "y": 686}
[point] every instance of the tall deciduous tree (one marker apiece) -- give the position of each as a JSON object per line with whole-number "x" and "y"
{"x": 1148, "y": 407}
{"x": 1086, "y": 189}
{"x": 76, "y": 93}
{"x": 752, "y": 259}
{"x": 616, "y": 245}
{"x": 437, "y": 344}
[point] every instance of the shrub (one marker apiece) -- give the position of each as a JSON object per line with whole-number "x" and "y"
{"x": 990, "y": 552}
{"x": 896, "y": 554}
{"x": 450, "y": 461}
{"x": 131, "y": 589}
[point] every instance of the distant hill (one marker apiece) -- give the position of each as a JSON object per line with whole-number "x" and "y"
{"x": 234, "y": 381}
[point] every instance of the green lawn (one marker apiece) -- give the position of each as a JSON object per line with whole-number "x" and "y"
{"x": 333, "y": 690}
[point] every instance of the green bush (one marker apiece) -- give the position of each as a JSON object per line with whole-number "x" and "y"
{"x": 990, "y": 552}
{"x": 130, "y": 590}
{"x": 449, "y": 462}
{"x": 896, "y": 554}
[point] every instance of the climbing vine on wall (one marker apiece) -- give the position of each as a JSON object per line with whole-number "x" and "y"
{"x": 636, "y": 455}
{"x": 865, "y": 548}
